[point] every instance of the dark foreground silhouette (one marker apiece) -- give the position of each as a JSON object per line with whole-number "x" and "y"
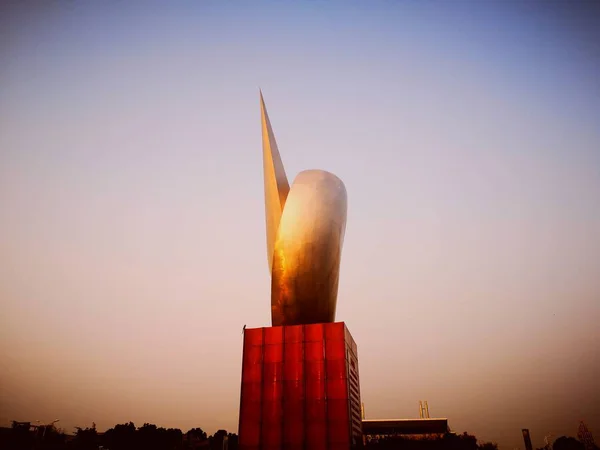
{"x": 120, "y": 437}
{"x": 448, "y": 441}
{"x": 150, "y": 437}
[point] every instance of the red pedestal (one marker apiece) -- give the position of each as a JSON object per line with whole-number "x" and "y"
{"x": 300, "y": 389}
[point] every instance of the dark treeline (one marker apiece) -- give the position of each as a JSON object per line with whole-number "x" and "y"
{"x": 150, "y": 437}
{"x": 120, "y": 437}
{"x": 463, "y": 441}
{"x": 448, "y": 441}
{"x": 570, "y": 443}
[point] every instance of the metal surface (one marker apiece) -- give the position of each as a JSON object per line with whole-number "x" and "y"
{"x": 305, "y": 233}
{"x": 276, "y": 182}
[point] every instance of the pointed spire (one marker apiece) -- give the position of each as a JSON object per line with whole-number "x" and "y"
{"x": 276, "y": 183}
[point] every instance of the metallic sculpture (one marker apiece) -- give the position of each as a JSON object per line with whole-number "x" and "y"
{"x": 305, "y": 232}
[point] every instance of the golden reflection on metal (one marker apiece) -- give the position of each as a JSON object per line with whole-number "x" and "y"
{"x": 305, "y": 254}
{"x": 276, "y": 183}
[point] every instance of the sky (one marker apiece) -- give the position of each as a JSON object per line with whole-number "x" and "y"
{"x": 132, "y": 234}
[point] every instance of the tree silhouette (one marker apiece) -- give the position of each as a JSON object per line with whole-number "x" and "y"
{"x": 567, "y": 443}
{"x": 147, "y": 437}
{"x": 195, "y": 438}
{"x": 197, "y": 433}
{"x": 20, "y": 437}
{"x": 488, "y": 446}
{"x": 121, "y": 437}
{"x": 151, "y": 437}
{"x": 216, "y": 441}
{"x": 449, "y": 441}
{"x": 85, "y": 439}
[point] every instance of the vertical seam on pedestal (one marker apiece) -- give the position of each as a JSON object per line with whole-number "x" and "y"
{"x": 349, "y": 401}
{"x": 283, "y": 364}
{"x": 326, "y": 380}
{"x": 262, "y": 384}
{"x": 305, "y": 397}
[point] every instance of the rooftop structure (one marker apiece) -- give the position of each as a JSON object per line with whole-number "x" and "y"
{"x": 406, "y": 427}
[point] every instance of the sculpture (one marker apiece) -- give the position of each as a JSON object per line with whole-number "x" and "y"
{"x": 305, "y": 233}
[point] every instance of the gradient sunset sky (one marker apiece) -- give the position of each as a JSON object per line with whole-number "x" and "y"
{"x": 132, "y": 234}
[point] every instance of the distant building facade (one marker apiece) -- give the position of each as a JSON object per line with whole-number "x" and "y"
{"x": 407, "y": 428}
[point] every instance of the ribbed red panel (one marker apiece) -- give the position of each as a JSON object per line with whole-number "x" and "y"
{"x": 293, "y": 411}
{"x": 314, "y": 351}
{"x": 294, "y": 333}
{"x": 293, "y": 446}
{"x": 335, "y": 332}
{"x": 250, "y": 423}
{"x": 313, "y": 332}
{"x": 335, "y": 349}
{"x": 272, "y": 391}
{"x": 253, "y": 336}
{"x": 337, "y": 389}
{"x": 251, "y": 410}
{"x": 293, "y": 433}
{"x": 337, "y": 446}
{"x": 273, "y": 353}
{"x": 273, "y": 335}
{"x": 293, "y": 391}
{"x": 315, "y": 388}
{"x": 252, "y": 391}
{"x": 249, "y": 447}
{"x": 316, "y": 435}
{"x": 253, "y": 354}
{"x": 316, "y": 410}
{"x": 339, "y": 431}
{"x": 337, "y": 409}
{"x": 337, "y": 369}
{"x": 299, "y": 389}
{"x": 272, "y": 416}
{"x": 293, "y": 370}
{"x": 293, "y": 425}
{"x": 294, "y": 351}
{"x": 314, "y": 369}
{"x": 251, "y": 432}
{"x": 272, "y": 371}
{"x": 252, "y": 373}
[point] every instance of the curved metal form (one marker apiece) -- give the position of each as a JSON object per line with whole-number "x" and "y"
{"x": 305, "y": 252}
{"x": 306, "y": 262}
